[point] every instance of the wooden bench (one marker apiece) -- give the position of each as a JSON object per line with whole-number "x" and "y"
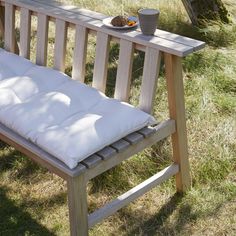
{"x": 170, "y": 46}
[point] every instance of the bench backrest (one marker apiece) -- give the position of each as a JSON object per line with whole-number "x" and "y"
{"x": 85, "y": 22}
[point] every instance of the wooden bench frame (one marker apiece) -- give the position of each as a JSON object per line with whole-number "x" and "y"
{"x": 173, "y": 47}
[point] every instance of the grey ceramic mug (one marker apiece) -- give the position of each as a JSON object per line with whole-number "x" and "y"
{"x": 148, "y": 20}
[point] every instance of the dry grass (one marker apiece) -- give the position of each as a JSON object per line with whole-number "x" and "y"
{"x": 33, "y": 201}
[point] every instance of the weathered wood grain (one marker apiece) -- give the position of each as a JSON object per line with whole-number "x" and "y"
{"x": 42, "y": 40}
{"x": 25, "y": 29}
{"x": 101, "y": 61}
{"x": 124, "y": 70}
{"x": 106, "y": 153}
{"x": 60, "y": 45}
{"x": 78, "y": 206}
{"x": 9, "y": 41}
{"x": 134, "y": 138}
{"x": 80, "y": 52}
{"x": 174, "y": 77}
{"x": 146, "y": 131}
{"x": 120, "y": 145}
{"x": 92, "y": 161}
{"x": 149, "y": 81}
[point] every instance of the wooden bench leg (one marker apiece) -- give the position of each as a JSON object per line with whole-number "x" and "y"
{"x": 174, "y": 77}
{"x": 78, "y": 208}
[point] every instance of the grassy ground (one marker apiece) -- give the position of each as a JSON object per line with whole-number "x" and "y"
{"x": 33, "y": 201}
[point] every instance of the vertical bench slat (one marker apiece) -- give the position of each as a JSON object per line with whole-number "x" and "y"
{"x": 42, "y": 40}
{"x": 25, "y": 27}
{"x": 124, "y": 71}
{"x": 149, "y": 82}
{"x": 9, "y": 27}
{"x": 60, "y": 45}
{"x": 101, "y": 61}
{"x": 80, "y": 51}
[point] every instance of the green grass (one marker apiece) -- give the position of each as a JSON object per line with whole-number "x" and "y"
{"x": 33, "y": 201}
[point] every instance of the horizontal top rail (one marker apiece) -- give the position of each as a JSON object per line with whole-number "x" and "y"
{"x": 161, "y": 40}
{"x": 196, "y": 44}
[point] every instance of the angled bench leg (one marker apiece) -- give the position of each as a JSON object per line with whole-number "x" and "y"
{"x": 174, "y": 77}
{"x": 78, "y": 208}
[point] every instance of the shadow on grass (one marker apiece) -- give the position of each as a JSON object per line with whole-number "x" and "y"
{"x": 15, "y": 221}
{"x": 157, "y": 224}
{"x": 161, "y": 223}
{"x": 23, "y": 166}
{"x": 156, "y": 158}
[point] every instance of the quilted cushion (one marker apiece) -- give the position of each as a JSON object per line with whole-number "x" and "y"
{"x": 66, "y": 118}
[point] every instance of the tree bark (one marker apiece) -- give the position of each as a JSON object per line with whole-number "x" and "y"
{"x": 204, "y": 10}
{"x": 2, "y": 16}
{"x": 2, "y": 28}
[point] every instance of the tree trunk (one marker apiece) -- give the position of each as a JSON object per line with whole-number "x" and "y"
{"x": 2, "y": 16}
{"x": 2, "y": 28}
{"x": 201, "y": 10}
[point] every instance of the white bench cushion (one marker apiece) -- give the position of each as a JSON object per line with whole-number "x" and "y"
{"x": 66, "y": 118}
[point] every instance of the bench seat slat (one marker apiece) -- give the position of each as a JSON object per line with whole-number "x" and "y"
{"x": 147, "y": 131}
{"x": 106, "y": 153}
{"x": 160, "y": 132}
{"x": 92, "y": 161}
{"x": 134, "y": 138}
{"x": 120, "y": 145}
